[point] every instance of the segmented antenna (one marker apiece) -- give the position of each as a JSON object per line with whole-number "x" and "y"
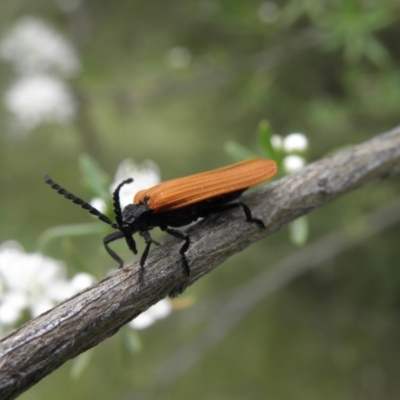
{"x": 80, "y": 202}
{"x": 116, "y": 203}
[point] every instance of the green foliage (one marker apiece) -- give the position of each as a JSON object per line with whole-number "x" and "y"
{"x": 264, "y": 139}
{"x": 132, "y": 341}
{"x": 81, "y": 363}
{"x": 351, "y": 26}
{"x": 70, "y": 230}
{"x": 98, "y": 184}
{"x": 237, "y": 151}
{"x": 328, "y": 68}
{"x": 298, "y": 231}
{"x": 263, "y": 148}
{"x": 94, "y": 178}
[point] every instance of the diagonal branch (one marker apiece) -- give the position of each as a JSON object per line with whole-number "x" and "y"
{"x": 39, "y": 347}
{"x": 238, "y": 306}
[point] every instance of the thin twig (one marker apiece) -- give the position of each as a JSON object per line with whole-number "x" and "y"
{"x": 39, "y": 347}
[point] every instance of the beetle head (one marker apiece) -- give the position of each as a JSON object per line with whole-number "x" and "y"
{"x": 135, "y": 216}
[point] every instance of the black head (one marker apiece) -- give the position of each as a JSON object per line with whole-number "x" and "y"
{"x": 136, "y": 216}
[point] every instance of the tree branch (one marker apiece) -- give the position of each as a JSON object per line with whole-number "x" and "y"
{"x": 231, "y": 312}
{"x": 42, "y": 345}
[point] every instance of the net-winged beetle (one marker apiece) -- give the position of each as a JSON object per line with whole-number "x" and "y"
{"x": 176, "y": 203}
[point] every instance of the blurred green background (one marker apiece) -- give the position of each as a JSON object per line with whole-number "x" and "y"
{"x": 173, "y": 82}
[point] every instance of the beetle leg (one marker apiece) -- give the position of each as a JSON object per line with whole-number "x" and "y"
{"x": 249, "y": 217}
{"x": 184, "y": 248}
{"x": 152, "y": 240}
{"x": 247, "y": 212}
{"x": 148, "y": 240}
{"x": 130, "y": 241}
{"x": 110, "y": 238}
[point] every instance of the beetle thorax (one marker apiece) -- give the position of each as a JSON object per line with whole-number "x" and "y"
{"x": 136, "y": 216}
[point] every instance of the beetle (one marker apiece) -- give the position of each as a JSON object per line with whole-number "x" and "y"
{"x": 177, "y": 202}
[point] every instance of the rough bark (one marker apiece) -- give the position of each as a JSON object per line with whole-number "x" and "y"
{"x": 42, "y": 345}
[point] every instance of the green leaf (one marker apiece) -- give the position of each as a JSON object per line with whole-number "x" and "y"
{"x": 298, "y": 231}
{"x": 237, "y": 151}
{"x": 80, "y": 364}
{"x": 70, "y": 230}
{"x": 132, "y": 340}
{"x": 376, "y": 52}
{"x": 264, "y": 138}
{"x": 94, "y": 177}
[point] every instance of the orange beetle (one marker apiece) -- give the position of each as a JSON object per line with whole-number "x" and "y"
{"x": 178, "y": 202}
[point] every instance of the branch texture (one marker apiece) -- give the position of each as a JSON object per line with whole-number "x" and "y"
{"x": 231, "y": 312}
{"x": 42, "y": 345}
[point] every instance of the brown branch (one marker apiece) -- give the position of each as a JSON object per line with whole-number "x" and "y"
{"x": 237, "y": 307}
{"x": 79, "y": 323}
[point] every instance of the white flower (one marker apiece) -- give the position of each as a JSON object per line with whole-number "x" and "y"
{"x": 276, "y": 141}
{"x": 81, "y": 281}
{"x": 32, "y": 282}
{"x": 11, "y": 307}
{"x": 158, "y": 311}
{"x": 144, "y": 176}
{"x": 34, "y": 47}
{"x": 99, "y": 204}
{"x": 39, "y": 99}
{"x": 295, "y": 142}
{"x": 293, "y": 163}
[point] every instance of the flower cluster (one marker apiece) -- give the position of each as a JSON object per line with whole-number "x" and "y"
{"x": 293, "y": 146}
{"x": 31, "y": 283}
{"x": 145, "y": 175}
{"x": 159, "y": 310}
{"x": 43, "y": 61}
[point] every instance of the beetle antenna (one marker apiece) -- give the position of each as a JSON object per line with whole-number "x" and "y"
{"x": 116, "y": 202}
{"x": 79, "y": 201}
